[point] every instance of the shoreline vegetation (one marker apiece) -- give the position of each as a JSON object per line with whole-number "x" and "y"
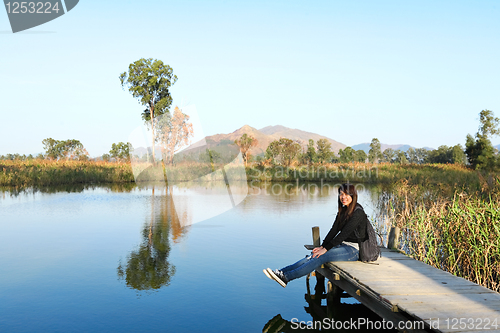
{"x": 41, "y": 172}
{"x": 458, "y": 231}
{"x": 448, "y": 214}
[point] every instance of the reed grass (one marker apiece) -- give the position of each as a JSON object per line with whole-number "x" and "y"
{"x": 441, "y": 175}
{"x": 39, "y": 172}
{"x": 458, "y": 234}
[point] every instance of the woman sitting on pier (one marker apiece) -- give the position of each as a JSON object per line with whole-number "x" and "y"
{"x": 350, "y": 226}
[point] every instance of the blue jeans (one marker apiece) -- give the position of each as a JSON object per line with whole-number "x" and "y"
{"x": 343, "y": 252}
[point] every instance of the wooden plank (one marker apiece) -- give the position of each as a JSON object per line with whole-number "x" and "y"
{"x": 378, "y": 306}
{"x": 421, "y": 291}
{"x": 466, "y": 301}
{"x": 446, "y": 282}
{"x": 476, "y": 298}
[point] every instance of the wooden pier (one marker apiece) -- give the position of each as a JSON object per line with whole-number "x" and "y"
{"x": 401, "y": 289}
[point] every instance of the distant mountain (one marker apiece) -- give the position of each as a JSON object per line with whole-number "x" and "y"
{"x": 497, "y": 147}
{"x": 273, "y": 129}
{"x": 263, "y": 139}
{"x": 267, "y": 135}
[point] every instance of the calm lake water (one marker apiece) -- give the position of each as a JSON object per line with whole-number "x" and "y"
{"x": 120, "y": 259}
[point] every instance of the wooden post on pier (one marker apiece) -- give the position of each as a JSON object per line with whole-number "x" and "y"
{"x": 393, "y": 241}
{"x": 316, "y": 240}
{"x": 333, "y": 292}
{"x": 320, "y": 279}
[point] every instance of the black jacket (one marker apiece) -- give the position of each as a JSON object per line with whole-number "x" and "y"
{"x": 344, "y": 230}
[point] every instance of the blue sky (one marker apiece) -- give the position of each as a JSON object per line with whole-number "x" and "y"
{"x": 417, "y": 73}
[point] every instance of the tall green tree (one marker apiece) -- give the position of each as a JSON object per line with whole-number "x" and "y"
{"x": 346, "y": 155}
{"x": 311, "y": 155}
{"x": 52, "y": 148}
{"x": 458, "y": 154}
{"x": 68, "y": 149}
{"x": 412, "y": 155}
{"x": 375, "y": 152}
{"x": 400, "y": 157}
{"x": 388, "y": 155}
{"x": 73, "y": 149}
{"x": 441, "y": 155}
{"x": 120, "y": 151}
{"x": 422, "y": 154}
{"x": 417, "y": 155}
{"x": 360, "y": 156}
{"x": 283, "y": 151}
{"x": 149, "y": 81}
{"x": 445, "y": 154}
{"x": 325, "y": 153}
{"x": 479, "y": 150}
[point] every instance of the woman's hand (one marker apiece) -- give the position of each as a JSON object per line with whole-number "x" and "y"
{"x": 318, "y": 251}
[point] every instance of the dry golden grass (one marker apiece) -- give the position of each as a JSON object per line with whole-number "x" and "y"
{"x": 459, "y": 234}
{"x": 39, "y": 172}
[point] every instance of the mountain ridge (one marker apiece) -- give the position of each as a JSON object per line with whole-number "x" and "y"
{"x": 268, "y": 134}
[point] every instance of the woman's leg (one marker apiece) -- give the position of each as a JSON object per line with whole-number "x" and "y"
{"x": 295, "y": 265}
{"x": 307, "y": 265}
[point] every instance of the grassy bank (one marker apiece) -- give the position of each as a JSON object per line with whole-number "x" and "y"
{"x": 440, "y": 175}
{"x": 458, "y": 234}
{"x": 48, "y": 173}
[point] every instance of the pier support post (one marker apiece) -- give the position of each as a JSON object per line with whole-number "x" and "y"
{"x": 320, "y": 279}
{"x": 333, "y": 295}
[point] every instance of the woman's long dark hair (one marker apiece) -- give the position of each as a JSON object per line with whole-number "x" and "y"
{"x": 345, "y": 212}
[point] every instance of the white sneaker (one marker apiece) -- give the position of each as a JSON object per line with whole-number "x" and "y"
{"x": 278, "y": 277}
{"x": 267, "y": 274}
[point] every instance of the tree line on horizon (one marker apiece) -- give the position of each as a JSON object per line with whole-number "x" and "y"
{"x": 71, "y": 149}
{"x": 286, "y": 151}
{"x": 479, "y": 152}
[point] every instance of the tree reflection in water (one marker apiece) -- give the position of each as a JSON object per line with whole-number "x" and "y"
{"x": 147, "y": 267}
